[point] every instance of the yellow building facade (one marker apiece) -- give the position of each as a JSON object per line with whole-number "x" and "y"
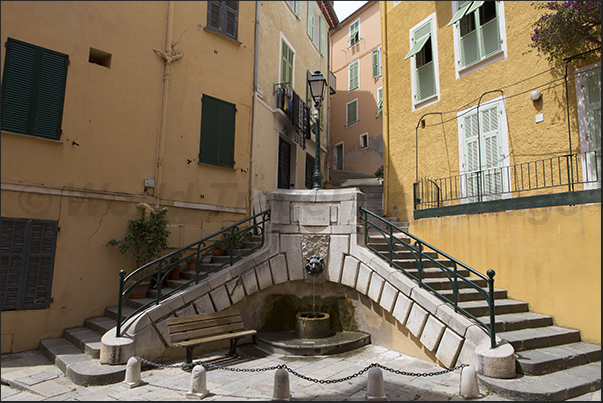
{"x": 137, "y": 89}
{"x": 491, "y": 152}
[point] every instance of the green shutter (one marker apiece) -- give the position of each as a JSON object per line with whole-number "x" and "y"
{"x": 218, "y": 119}
{"x": 33, "y": 90}
{"x": 298, "y": 9}
{"x": 352, "y": 112}
{"x": 353, "y": 76}
{"x": 310, "y": 20}
{"x": 287, "y": 64}
{"x": 323, "y": 35}
{"x": 375, "y": 63}
{"x": 354, "y": 33}
{"x": 308, "y": 92}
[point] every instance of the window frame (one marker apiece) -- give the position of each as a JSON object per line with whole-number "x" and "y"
{"x": 347, "y": 122}
{"x": 357, "y": 64}
{"x": 484, "y": 61}
{"x": 219, "y": 143}
{"x": 361, "y": 136}
{"x": 48, "y": 79}
{"x": 223, "y": 19}
{"x": 420, "y": 103}
{"x": 350, "y": 44}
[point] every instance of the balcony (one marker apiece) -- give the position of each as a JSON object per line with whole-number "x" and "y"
{"x": 566, "y": 179}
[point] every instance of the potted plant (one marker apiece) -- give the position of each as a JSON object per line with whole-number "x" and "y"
{"x": 146, "y": 240}
{"x": 191, "y": 262}
{"x": 235, "y": 238}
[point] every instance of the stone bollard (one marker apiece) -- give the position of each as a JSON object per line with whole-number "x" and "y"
{"x": 198, "y": 387}
{"x": 468, "y": 386}
{"x": 281, "y": 385}
{"x": 133, "y": 373}
{"x": 374, "y": 388}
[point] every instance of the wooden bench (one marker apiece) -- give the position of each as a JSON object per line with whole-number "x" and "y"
{"x": 192, "y": 331}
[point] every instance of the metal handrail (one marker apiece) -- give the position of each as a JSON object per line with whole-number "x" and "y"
{"x": 227, "y": 238}
{"x": 418, "y": 252}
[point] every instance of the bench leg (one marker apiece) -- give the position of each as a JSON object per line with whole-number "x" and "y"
{"x": 233, "y": 348}
{"x": 189, "y": 359}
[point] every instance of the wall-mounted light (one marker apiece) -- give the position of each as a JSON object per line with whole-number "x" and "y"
{"x": 535, "y": 95}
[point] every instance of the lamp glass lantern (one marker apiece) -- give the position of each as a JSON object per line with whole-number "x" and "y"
{"x": 317, "y": 88}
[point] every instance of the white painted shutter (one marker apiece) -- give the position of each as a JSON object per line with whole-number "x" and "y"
{"x": 491, "y": 153}
{"x": 592, "y": 94}
{"x": 471, "y": 156}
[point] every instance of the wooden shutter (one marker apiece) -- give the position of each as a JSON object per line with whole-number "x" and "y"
{"x": 352, "y": 111}
{"x": 353, "y": 76}
{"x": 471, "y": 155}
{"x": 33, "y": 90}
{"x": 310, "y": 20}
{"x": 491, "y": 152}
{"x": 425, "y": 80}
{"x": 27, "y": 263}
{"x": 287, "y": 64}
{"x": 217, "y": 132}
{"x": 592, "y": 94}
{"x": 354, "y": 33}
{"x": 308, "y": 92}
{"x": 231, "y": 18}
{"x": 323, "y": 36}
{"x": 213, "y": 14}
{"x": 375, "y": 63}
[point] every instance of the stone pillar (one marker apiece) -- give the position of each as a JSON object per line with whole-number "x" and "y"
{"x": 198, "y": 388}
{"x": 375, "y": 390}
{"x": 281, "y": 385}
{"x": 133, "y": 373}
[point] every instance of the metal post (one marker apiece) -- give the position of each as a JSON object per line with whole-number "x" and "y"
{"x": 122, "y": 274}
{"x": 317, "y": 174}
{"x": 491, "y": 274}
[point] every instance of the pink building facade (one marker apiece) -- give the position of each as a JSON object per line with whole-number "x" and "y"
{"x": 356, "y": 142}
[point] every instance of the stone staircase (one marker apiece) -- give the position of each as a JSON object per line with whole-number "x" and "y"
{"x": 552, "y": 362}
{"x": 76, "y": 353}
{"x": 371, "y": 187}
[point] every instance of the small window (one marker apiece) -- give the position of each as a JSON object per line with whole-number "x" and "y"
{"x": 353, "y": 79}
{"x": 28, "y": 248}
{"x": 352, "y": 112}
{"x": 99, "y": 57}
{"x": 217, "y": 132}
{"x": 364, "y": 140}
{"x": 354, "y": 37}
{"x": 33, "y": 90}
{"x": 222, "y": 17}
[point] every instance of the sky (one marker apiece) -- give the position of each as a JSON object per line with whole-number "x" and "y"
{"x": 344, "y": 8}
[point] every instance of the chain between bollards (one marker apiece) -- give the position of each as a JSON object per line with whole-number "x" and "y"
{"x": 293, "y": 372}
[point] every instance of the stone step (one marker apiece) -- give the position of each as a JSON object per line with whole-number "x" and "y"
{"x": 111, "y": 312}
{"x": 501, "y": 306}
{"x": 79, "y": 367}
{"x": 546, "y": 360}
{"x": 517, "y": 321}
{"x": 444, "y": 284}
{"x": 528, "y": 339}
{"x": 471, "y": 294}
{"x": 413, "y": 264}
{"x": 100, "y": 324}
{"x": 85, "y": 339}
{"x": 557, "y": 386}
{"x": 435, "y": 272}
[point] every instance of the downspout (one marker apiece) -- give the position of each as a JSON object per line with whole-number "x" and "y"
{"x": 164, "y": 101}
{"x": 385, "y": 114}
{"x": 256, "y": 41}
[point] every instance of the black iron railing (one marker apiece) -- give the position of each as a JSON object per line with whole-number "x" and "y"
{"x": 232, "y": 239}
{"x": 564, "y": 173}
{"x": 375, "y": 226}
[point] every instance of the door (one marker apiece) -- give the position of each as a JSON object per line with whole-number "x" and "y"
{"x": 338, "y": 156}
{"x": 284, "y": 164}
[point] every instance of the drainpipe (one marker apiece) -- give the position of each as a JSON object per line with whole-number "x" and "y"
{"x": 164, "y": 103}
{"x": 385, "y": 114}
{"x": 256, "y": 42}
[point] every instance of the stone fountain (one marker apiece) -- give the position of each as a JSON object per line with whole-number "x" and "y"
{"x": 313, "y": 325}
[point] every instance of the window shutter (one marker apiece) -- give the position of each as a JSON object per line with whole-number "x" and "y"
{"x": 308, "y": 92}
{"x": 28, "y": 248}
{"x": 213, "y": 18}
{"x": 354, "y": 33}
{"x": 323, "y": 35}
{"x": 310, "y": 20}
{"x": 298, "y": 9}
{"x": 592, "y": 95}
{"x": 33, "y": 90}
{"x": 227, "y": 134}
{"x": 490, "y": 36}
{"x": 353, "y": 73}
{"x": 231, "y": 9}
{"x": 375, "y": 63}
{"x": 491, "y": 162}
{"x": 470, "y": 127}
{"x": 287, "y": 64}
{"x": 352, "y": 112}
{"x": 210, "y": 136}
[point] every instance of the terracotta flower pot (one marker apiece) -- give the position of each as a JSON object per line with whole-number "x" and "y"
{"x": 140, "y": 291}
{"x": 174, "y": 274}
{"x": 217, "y": 251}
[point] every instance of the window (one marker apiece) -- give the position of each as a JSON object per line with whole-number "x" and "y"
{"x": 352, "y": 112}
{"x": 364, "y": 140}
{"x": 287, "y": 57}
{"x": 354, "y": 37}
{"x": 296, "y": 8}
{"x": 217, "y": 132}
{"x": 33, "y": 90}
{"x": 28, "y": 248}
{"x": 309, "y": 171}
{"x": 588, "y": 93}
{"x": 478, "y": 32}
{"x": 377, "y": 62}
{"x": 222, "y": 17}
{"x": 353, "y": 75}
{"x": 484, "y": 152}
{"x": 338, "y": 156}
{"x": 423, "y": 66}
{"x": 379, "y": 102}
{"x": 317, "y": 28}
{"x": 99, "y": 57}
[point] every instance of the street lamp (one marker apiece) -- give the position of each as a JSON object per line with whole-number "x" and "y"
{"x": 317, "y": 88}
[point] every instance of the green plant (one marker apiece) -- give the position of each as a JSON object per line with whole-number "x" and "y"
{"x": 572, "y": 26}
{"x": 146, "y": 238}
{"x": 379, "y": 172}
{"x": 233, "y": 237}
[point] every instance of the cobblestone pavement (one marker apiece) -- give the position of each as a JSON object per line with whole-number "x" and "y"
{"x": 30, "y": 376}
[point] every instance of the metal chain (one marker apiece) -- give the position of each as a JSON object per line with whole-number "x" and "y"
{"x": 293, "y": 372}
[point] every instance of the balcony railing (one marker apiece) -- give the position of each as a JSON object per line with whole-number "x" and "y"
{"x": 565, "y": 173}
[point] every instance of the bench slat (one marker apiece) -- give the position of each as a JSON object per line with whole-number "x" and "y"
{"x": 202, "y": 316}
{"x": 202, "y": 333}
{"x": 202, "y": 324}
{"x": 214, "y": 338}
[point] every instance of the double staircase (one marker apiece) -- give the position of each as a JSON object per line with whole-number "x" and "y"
{"x": 552, "y": 362}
